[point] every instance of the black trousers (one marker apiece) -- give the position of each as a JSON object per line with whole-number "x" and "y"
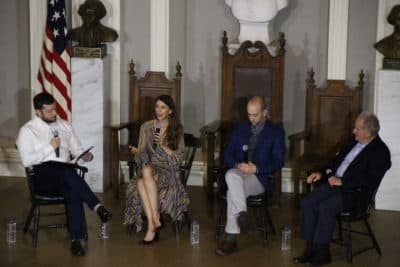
{"x": 318, "y": 213}
{"x": 58, "y": 178}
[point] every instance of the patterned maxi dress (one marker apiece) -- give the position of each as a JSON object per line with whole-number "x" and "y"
{"x": 172, "y": 197}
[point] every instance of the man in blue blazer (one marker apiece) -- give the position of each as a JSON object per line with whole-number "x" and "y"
{"x": 362, "y": 163}
{"x": 255, "y": 150}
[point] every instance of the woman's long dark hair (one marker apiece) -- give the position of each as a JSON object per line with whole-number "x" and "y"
{"x": 175, "y": 129}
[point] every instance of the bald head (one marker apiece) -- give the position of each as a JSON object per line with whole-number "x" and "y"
{"x": 256, "y": 110}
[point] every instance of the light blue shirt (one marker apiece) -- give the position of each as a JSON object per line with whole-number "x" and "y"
{"x": 349, "y": 159}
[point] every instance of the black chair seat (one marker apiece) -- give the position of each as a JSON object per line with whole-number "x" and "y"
{"x": 351, "y": 215}
{"x": 49, "y": 198}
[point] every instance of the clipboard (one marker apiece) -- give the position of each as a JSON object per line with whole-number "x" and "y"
{"x": 83, "y": 153}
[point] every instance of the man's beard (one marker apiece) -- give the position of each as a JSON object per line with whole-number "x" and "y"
{"x": 48, "y": 120}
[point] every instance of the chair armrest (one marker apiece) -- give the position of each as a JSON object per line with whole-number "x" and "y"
{"x": 212, "y": 127}
{"x": 126, "y": 125}
{"x": 299, "y": 136}
{"x": 294, "y": 144}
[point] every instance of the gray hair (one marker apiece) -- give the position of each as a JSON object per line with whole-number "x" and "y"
{"x": 371, "y": 122}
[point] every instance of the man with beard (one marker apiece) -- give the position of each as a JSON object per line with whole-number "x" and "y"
{"x": 44, "y": 143}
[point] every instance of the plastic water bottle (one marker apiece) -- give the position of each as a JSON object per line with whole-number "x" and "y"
{"x": 195, "y": 233}
{"x": 286, "y": 236}
{"x": 11, "y": 230}
{"x": 104, "y": 234}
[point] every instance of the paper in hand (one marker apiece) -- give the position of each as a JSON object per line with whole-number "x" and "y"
{"x": 82, "y": 154}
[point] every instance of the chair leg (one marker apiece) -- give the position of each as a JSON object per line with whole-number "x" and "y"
{"x": 177, "y": 228}
{"x": 269, "y": 219}
{"x": 85, "y": 232}
{"x": 36, "y": 226}
{"x": 186, "y": 219}
{"x": 218, "y": 222}
{"x": 29, "y": 219}
{"x": 264, "y": 225}
{"x": 348, "y": 245}
{"x": 340, "y": 231}
{"x": 371, "y": 234}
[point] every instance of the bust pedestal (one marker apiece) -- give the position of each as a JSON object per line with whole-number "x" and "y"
{"x": 91, "y": 98}
{"x": 387, "y": 110}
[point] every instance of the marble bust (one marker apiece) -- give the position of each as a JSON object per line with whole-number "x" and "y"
{"x": 92, "y": 33}
{"x": 255, "y": 17}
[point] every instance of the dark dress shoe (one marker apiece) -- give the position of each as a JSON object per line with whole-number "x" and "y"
{"x": 321, "y": 256}
{"x": 307, "y": 254}
{"x": 76, "y": 248}
{"x": 226, "y": 248}
{"x": 302, "y": 259}
{"x": 245, "y": 222}
{"x": 104, "y": 214}
{"x": 155, "y": 239}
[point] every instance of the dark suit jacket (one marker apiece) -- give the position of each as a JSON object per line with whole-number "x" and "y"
{"x": 366, "y": 170}
{"x": 269, "y": 152}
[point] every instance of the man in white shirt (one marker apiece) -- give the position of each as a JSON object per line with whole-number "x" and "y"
{"x": 45, "y": 141}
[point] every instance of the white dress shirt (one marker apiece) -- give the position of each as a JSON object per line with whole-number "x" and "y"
{"x": 353, "y": 153}
{"x": 34, "y": 138}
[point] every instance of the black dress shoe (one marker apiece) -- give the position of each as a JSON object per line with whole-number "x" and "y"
{"x": 245, "y": 222}
{"x": 307, "y": 254}
{"x": 321, "y": 256}
{"x": 226, "y": 248}
{"x": 302, "y": 259}
{"x": 104, "y": 214}
{"x": 155, "y": 239}
{"x": 76, "y": 248}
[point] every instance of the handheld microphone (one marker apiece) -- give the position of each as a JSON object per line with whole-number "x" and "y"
{"x": 245, "y": 149}
{"x": 157, "y": 131}
{"x": 57, "y": 149}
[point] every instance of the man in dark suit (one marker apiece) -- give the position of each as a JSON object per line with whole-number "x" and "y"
{"x": 255, "y": 150}
{"x": 362, "y": 163}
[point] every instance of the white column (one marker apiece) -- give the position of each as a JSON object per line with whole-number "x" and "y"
{"x": 159, "y": 52}
{"x": 37, "y": 22}
{"x": 337, "y": 42}
{"x": 113, "y": 20}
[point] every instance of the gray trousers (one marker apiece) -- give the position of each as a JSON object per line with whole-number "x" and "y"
{"x": 240, "y": 186}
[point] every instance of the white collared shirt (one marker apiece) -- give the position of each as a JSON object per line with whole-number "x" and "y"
{"x": 34, "y": 146}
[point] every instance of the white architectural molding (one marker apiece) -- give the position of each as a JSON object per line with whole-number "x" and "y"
{"x": 113, "y": 20}
{"x": 159, "y": 39}
{"x": 337, "y": 40}
{"x": 37, "y": 22}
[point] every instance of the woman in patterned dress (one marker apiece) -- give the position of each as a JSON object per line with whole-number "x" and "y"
{"x": 157, "y": 187}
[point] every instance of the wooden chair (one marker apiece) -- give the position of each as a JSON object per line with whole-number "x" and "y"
{"x": 330, "y": 114}
{"x": 250, "y": 71}
{"x": 142, "y": 94}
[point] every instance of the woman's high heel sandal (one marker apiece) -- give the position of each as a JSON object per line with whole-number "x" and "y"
{"x": 155, "y": 239}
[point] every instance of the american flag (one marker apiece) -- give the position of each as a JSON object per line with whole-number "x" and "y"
{"x": 55, "y": 66}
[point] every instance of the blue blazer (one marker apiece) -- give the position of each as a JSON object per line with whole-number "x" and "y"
{"x": 268, "y": 155}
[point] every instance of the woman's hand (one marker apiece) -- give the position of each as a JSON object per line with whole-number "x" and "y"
{"x": 133, "y": 150}
{"x": 159, "y": 138}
